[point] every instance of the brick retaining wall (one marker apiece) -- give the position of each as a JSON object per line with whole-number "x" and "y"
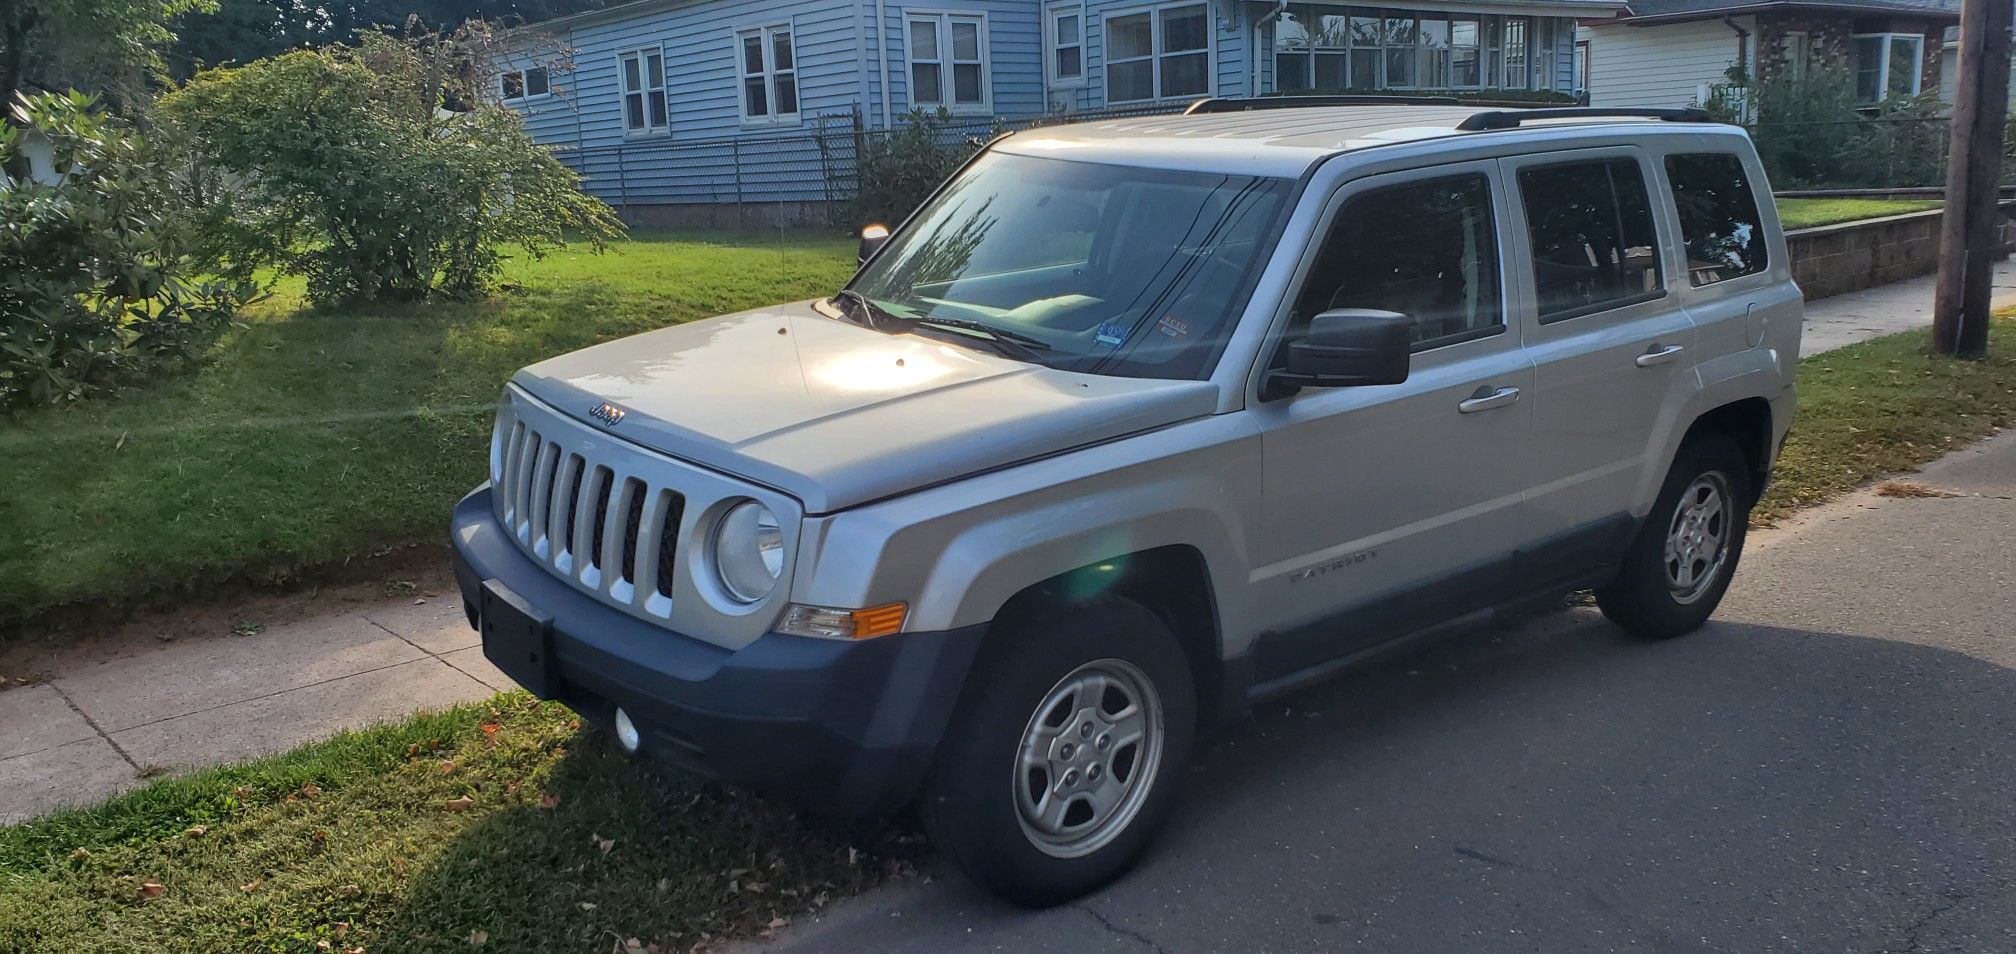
{"x": 1832, "y": 259}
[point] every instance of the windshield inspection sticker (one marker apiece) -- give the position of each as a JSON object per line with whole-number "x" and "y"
{"x": 1110, "y": 333}
{"x": 1173, "y": 326}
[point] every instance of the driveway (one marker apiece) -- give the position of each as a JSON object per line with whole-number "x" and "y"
{"x": 1829, "y": 766}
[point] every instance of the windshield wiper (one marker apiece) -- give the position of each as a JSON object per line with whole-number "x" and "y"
{"x": 871, "y": 314}
{"x": 1013, "y": 344}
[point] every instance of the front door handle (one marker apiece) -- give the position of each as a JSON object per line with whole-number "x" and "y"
{"x": 1659, "y": 354}
{"x": 1487, "y": 398}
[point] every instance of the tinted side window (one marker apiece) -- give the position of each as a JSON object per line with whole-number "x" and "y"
{"x": 1427, "y": 250}
{"x": 1718, "y": 216}
{"x": 1594, "y": 244}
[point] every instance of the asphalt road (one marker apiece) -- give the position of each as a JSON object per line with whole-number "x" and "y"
{"x": 1829, "y": 766}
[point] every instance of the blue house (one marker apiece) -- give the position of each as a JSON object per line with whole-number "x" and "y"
{"x": 669, "y": 103}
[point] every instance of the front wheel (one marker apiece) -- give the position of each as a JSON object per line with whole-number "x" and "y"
{"x": 1064, "y": 757}
{"x": 1679, "y": 566}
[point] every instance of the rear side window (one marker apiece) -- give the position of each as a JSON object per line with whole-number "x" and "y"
{"x": 1718, "y": 216}
{"x": 1427, "y": 250}
{"x": 1594, "y": 244}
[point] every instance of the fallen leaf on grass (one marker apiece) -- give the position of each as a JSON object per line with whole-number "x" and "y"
{"x": 460, "y": 804}
{"x": 448, "y": 766}
{"x": 252, "y": 885}
{"x": 603, "y": 844}
{"x": 478, "y": 937}
{"x": 197, "y": 831}
{"x": 587, "y": 905}
{"x": 151, "y": 889}
{"x": 549, "y": 801}
{"x": 310, "y": 790}
{"x": 349, "y": 891}
{"x": 1903, "y": 488}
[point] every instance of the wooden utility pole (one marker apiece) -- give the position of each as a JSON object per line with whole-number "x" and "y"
{"x": 1972, "y": 224}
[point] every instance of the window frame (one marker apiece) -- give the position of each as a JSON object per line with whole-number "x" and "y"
{"x": 1355, "y": 189}
{"x": 948, "y": 87}
{"x": 1052, "y": 47}
{"x": 1157, "y": 52}
{"x": 766, "y": 36}
{"x": 1419, "y": 50}
{"x": 1751, "y": 177}
{"x": 643, "y": 55}
{"x": 1917, "y": 40}
{"x": 525, "y": 94}
{"x": 1651, "y": 175}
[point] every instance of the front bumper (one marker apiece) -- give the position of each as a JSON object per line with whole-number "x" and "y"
{"x": 844, "y": 727}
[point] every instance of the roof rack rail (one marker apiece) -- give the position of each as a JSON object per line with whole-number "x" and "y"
{"x": 1235, "y": 104}
{"x": 1512, "y": 118}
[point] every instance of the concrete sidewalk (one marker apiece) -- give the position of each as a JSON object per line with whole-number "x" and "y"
{"x": 103, "y": 727}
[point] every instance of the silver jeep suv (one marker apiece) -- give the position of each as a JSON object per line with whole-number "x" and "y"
{"x": 1131, "y": 425}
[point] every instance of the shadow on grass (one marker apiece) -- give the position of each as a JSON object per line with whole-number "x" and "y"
{"x": 634, "y": 849}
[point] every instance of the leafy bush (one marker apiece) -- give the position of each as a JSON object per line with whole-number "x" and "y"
{"x": 102, "y": 281}
{"x": 349, "y": 170}
{"x": 1812, "y": 133}
{"x": 898, "y": 170}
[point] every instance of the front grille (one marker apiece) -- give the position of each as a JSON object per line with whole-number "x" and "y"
{"x": 565, "y": 508}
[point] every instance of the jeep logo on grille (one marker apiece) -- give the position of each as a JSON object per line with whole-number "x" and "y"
{"x": 608, "y": 414}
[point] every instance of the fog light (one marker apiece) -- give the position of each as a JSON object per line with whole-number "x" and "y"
{"x": 626, "y": 733}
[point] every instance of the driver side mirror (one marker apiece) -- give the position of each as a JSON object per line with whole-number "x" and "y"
{"x": 872, "y": 239}
{"x": 1346, "y": 347}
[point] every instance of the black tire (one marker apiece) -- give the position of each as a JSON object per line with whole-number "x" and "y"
{"x": 970, "y": 802}
{"x": 1643, "y": 598}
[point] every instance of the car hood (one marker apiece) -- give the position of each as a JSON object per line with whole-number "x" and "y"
{"x": 838, "y": 415}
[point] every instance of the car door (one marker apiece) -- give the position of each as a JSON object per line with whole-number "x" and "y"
{"x": 1610, "y": 347}
{"x": 1393, "y": 507}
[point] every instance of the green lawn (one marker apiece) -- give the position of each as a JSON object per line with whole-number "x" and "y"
{"x": 1806, "y": 213}
{"x": 315, "y": 437}
{"x": 362, "y": 842}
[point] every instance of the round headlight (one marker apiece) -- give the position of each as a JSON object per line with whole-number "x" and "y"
{"x": 748, "y": 551}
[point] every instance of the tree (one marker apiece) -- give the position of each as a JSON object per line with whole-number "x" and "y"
{"x": 107, "y": 47}
{"x": 349, "y": 171}
{"x": 240, "y": 31}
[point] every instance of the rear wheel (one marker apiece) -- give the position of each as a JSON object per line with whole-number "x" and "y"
{"x": 1063, "y": 759}
{"x": 1679, "y": 566}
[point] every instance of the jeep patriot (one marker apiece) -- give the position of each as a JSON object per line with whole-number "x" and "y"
{"x": 1132, "y": 424}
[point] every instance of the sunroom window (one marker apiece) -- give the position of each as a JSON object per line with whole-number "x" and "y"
{"x": 1324, "y": 47}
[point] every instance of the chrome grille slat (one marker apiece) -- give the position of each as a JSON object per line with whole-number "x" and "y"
{"x": 587, "y": 512}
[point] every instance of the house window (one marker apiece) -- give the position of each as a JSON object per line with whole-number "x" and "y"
{"x": 1888, "y": 64}
{"x": 1798, "y": 50}
{"x": 769, "y": 75}
{"x": 519, "y": 85}
{"x": 642, "y": 73}
{"x": 1067, "y": 46}
{"x": 1160, "y": 53}
{"x": 948, "y": 61}
{"x": 1516, "y": 74}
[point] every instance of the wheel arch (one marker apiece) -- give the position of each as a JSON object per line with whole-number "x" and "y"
{"x": 1172, "y": 581}
{"x": 1747, "y": 422}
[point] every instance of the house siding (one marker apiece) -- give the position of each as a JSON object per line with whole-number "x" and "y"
{"x": 1660, "y": 66}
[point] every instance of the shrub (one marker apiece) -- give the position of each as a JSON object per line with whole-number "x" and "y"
{"x": 898, "y": 170}
{"x": 1812, "y": 133}
{"x": 349, "y": 169}
{"x": 103, "y": 283}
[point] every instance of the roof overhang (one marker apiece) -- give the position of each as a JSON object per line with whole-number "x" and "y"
{"x": 1549, "y": 8}
{"x": 1783, "y": 6}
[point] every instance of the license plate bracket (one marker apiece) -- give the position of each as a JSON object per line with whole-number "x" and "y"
{"x": 517, "y": 638}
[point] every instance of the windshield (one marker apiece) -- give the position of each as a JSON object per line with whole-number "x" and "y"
{"x": 1107, "y": 269}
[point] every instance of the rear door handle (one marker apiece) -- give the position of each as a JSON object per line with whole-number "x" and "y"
{"x": 1659, "y": 354}
{"x": 1487, "y": 398}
